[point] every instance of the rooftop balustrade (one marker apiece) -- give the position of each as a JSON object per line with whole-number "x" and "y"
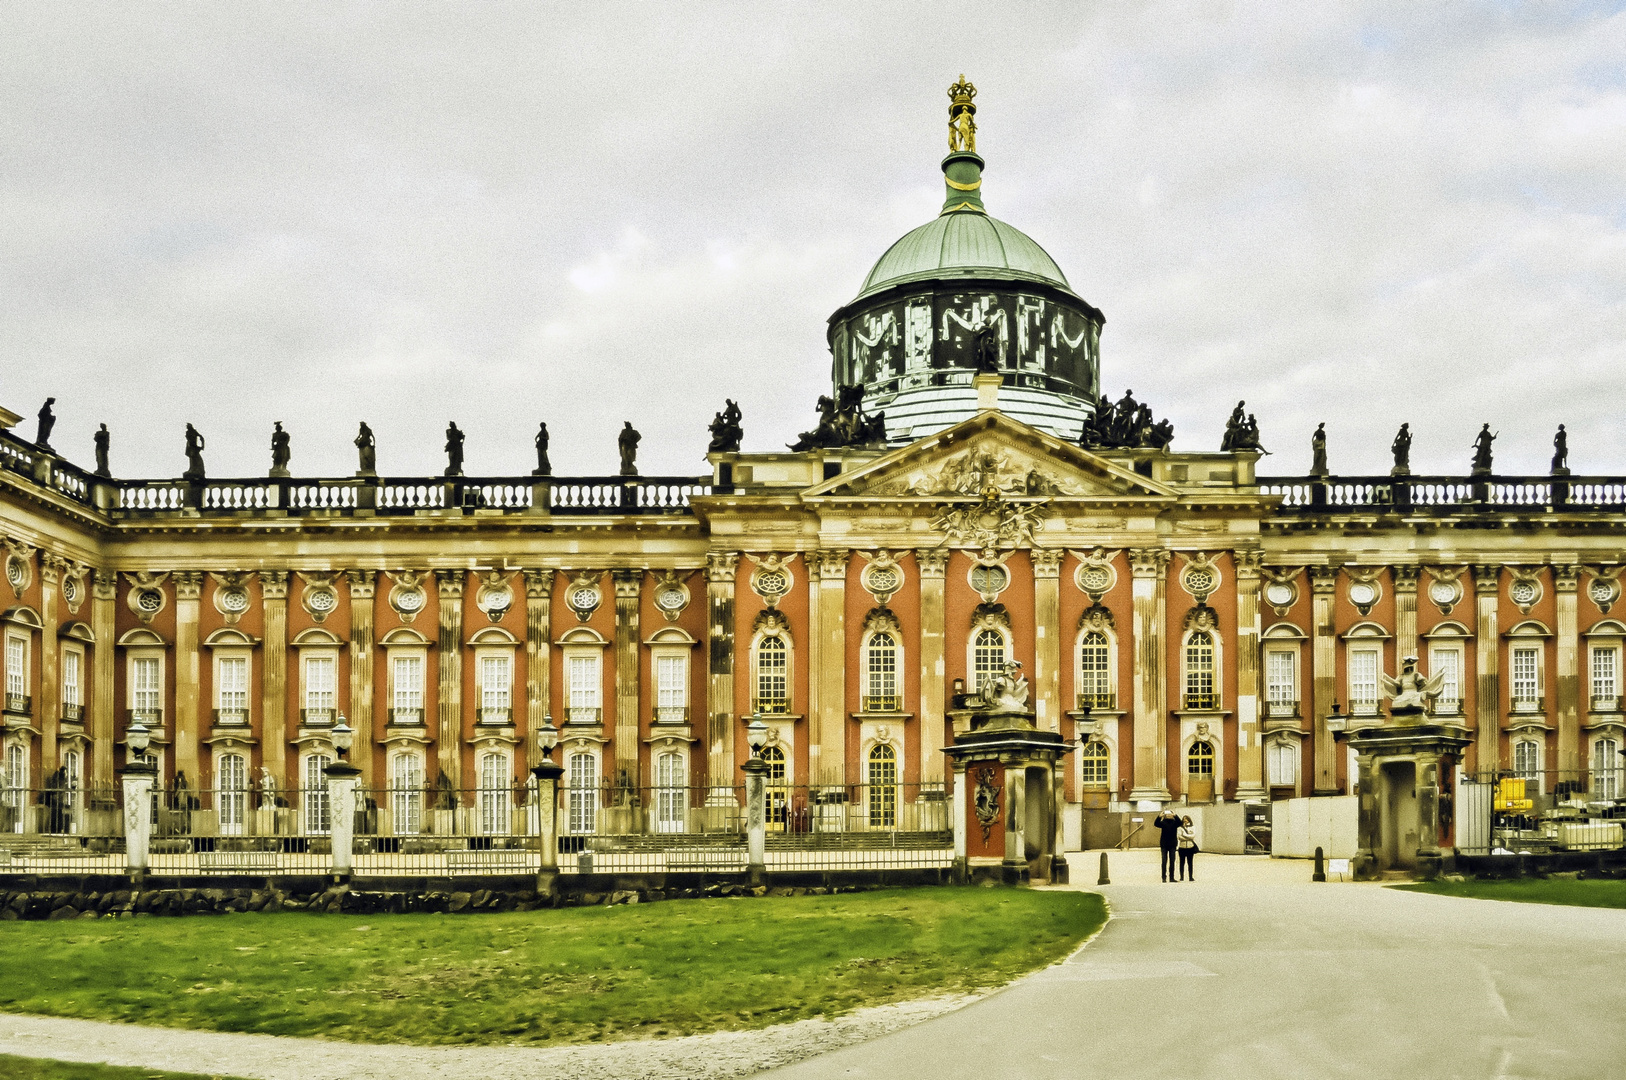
{"x": 1445, "y": 494}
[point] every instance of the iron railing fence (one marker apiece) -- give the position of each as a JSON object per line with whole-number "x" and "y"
{"x": 61, "y": 830}
{"x": 441, "y": 831}
{"x": 660, "y": 828}
{"x": 241, "y": 831}
{"x": 1535, "y": 811}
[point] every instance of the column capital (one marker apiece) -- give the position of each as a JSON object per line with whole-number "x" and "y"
{"x": 1566, "y": 578}
{"x": 188, "y": 584}
{"x": 363, "y": 583}
{"x": 721, "y": 565}
{"x": 933, "y": 562}
{"x": 539, "y": 584}
{"x": 450, "y": 584}
{"x": 1323, "y": 579}
{"x": 1405, "y": 576}
{"x": 1046, "y": 562}
{"x": 1249, "y": 563}
{"x": 628, "y": 583}
{"x": 832, "y": 562}
{"x": 52, "y": 567}
{"x": 1487, "y": 579}
{"x": 274, "y": 584}
{"x": 1149, "y": 562}
{"x": 106, "y": 584}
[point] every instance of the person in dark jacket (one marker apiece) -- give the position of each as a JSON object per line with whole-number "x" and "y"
{"x": 1168, "y": 823}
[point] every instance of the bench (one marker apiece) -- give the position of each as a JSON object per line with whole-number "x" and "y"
{"x": 705, "y": 859}
{"x": 502, "y": 861}
{"x": 222, "y": 862}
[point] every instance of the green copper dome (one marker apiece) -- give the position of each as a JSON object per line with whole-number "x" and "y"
{"x": 964, "y": 244}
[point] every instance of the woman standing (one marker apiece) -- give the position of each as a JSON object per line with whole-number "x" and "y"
{"x": 1188, "y": 849}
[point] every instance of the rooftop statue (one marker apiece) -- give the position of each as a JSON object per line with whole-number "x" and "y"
{"x": 1561, "y": 451}
{"x": 1128, "y": 424}
{"x": 366, "y": 451}
{"x": 1241, "y": 430}
{"x": 1401, "y": 448}
{"x": 104, "y": 440}
{"x": 985, "y": 351}
{"x": 1318, "y": 451}
{"x": 1411, "y": 691}
{"x": 1482, "y": 450}
{"x": 454, "y": 449}
{"x": 280, "y": 452}
{"x": 42, "y": 436}
{"x": 962, "y": 129}
{"x": 544, "y": 467}
{"x": 726, "y": 431}
{"x": 194, "y": 455}
{"x": 627, "y": 442}
{"x": 842, "y": 422}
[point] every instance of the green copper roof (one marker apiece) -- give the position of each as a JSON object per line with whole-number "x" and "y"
{"x": 964, "y": 245}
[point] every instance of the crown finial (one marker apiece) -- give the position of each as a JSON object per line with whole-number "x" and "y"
{"x": 962, "y": 129}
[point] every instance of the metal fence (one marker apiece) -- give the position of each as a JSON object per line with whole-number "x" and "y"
{"x": 61, "y": 830}
{"x": 1537, "y": 811}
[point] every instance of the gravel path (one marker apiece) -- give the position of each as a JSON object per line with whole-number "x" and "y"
{"x": 273, "y": 1057}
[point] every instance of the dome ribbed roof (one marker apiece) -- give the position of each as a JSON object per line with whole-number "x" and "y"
{"x": 964, "y": 244}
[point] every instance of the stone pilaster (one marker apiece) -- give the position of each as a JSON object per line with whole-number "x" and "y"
{"x": 720, "y": 570}
{"x": 1405, "y": 579}
{"x": 1324, "y": 668}
{"x": 50, "y": 688}
{"x": 831, "y": 671}
{"x": 449, "y": 737}
{"x": 363, "y": 584}
{"x": 1567, "y": 703}
{"x": 274, "y": 675}
{"x": 1047, "y": 638}
{"x": 628, "y": 587}
{"x": 538, "y": 656}
{"x": 188, "y": 593}
{"x": 1250, "y": 747}
{"x": 814, "y": 562}
{"x": 1487, "y": 656}
{"x": 1148, "y": 580}
{"x": 932, "y": 563}
{"x": 104, "y": 592}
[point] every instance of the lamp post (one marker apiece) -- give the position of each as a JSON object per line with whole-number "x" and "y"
{"x": 140, "y": 774}
{"x": 756, "y": 798}
{"x": 341, "y": 795}
{"x": 547, "y": 803}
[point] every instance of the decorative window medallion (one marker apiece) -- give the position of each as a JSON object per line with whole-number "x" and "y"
{"x": 1095, "y": 575}
{"x": 1603, "y": 592}
{"x": 771, "y": 580}
{"x": 495, "y": 597}
{"x": 231, "y": 596}
{"x": 1283, "y": 590}
{"x": 73, "y": 592}
{"x": 146, "y": 596}
{"x": 882, "y": 576}
{"x": 989, "y": 580}
{"x": 319, "y": 598}
{"x": 1364, "y": 590}
{"x": 671, "y": 596}
{"x": 408, "y": 597}
{"x": 1524, "y": 590}
{"x": 19, "y": 567}
{"x": 584, "y": 596}
{"x": 1200, "y": 577}
{"x": 1446, "y": 589}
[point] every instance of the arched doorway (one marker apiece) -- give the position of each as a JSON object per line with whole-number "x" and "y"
{"x": 1200, "y": 772}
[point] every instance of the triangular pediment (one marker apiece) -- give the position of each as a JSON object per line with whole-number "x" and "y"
{"x": 992, "y": 449}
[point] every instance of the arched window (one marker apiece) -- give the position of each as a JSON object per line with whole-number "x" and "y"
{"x": 318, "y": 820}
{"x": 1200, "y": 671}
{"x": 1094, "y": 760}
{"x": 988, "y": 655}
{"x": 778, "y": 791}
{"x": 496, "y": 793}
{"x": 1094, "y": 672}
{"x": 883, "y": 787}
{"x": 1200, "y": 759}
{"x": 773, "y": 675}
{"x": 670, "y": 792}
{"x": 1525, "y": 759}
{"x": 1606, "y": 770}
{"x": 582, "y": 775}
{"x": 881, "y": 674}
{"x": 231, "y": 782}
{"x": 1282, "y": 764}
{"x": 406, "y": 794}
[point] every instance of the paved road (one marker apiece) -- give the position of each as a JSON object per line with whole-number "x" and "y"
{"x": 1258, "y": 973}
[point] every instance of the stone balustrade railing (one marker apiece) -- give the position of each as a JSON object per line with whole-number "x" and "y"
{"x": 1448, "y": 494}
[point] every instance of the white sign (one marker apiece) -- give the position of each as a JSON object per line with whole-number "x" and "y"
{"x": 1338, "y": 866}
{"x": 1146, "y": 806}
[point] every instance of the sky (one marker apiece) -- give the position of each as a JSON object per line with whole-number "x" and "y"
{"x": 499, "y": 214}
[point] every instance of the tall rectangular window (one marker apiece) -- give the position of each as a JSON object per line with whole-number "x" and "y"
{"x": 318, "y": 817}
{"x": 16, "y": 667}
{"x": 1094, "y": 672}
{"x": 1526, "y": 688}
{"x": 1447, "y": 663}
{"x": 1281, "y": 681}
{"x": 495, "y": 793}
{"x": 1363, "y": 681}
{"x": 585, "y": 684}
{"x": 72, "y": 678}
{"x": 232, "y": 691}
{"x": 496, "y": 681}
{"x": 1200, "y": 672}
{"x": 1525, "y": 759}
{"x": 1605, "y": 676}
{"x": 1283, "y": 762}
{"x": 406, "y": 793}
{"x": 773, "y": 666}
{"x": 583, "y": 793}
{"x": 406, "y": 686}
{"x": 145, "y": 694}
{"x": 321, "y": 682}
{"x": 671, "y": 688}
{"x": 881, "y": 673}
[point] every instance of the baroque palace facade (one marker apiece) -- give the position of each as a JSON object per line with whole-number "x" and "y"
{"x": 969, "y": 497}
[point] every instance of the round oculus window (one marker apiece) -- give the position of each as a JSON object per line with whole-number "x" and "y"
{"x": 772, "y": 582}
{"x": 1523, "y": 592}
{"x": 1362, "y": 593}
{"x": 1200, "y": 580}
{"x": 1281, "y": 594}
{"x": 1443, "y": 593}
{"x": 16, "y": 572}
{"x": 70, "y": 590}
{"x": 584, "y": 599}
{"x": 1601, "y": 591}
{"x": 149, "y": 600}
{"x": 233, "y": 600}
{"x": 409, "y": 600}
{"x": 669, "y": 599}
{"x": 323, "y": 600}
{"x": 989, "y": 579}
{"x": 884, "y": 579}
{"x": 1095, "y": 579}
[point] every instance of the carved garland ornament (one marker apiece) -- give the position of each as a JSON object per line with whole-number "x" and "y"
{"x": 19, "y": 567}
{"x": 408, "y": 597}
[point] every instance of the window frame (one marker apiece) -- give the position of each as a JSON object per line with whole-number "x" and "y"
{"x": 312, "y": 715}
{"x": 1610, "y": 701}
{"x": 19, "y": 671}
{"x": 406, "y": 797}
{"x": 877, "y": 696}
{"x": 1367, "y": 653}
{"x": 495, "y": 801}
{"x": 771, "y": 704}
{"x": 135, "y": 658}
{"x": 975, "y": 647}
{"x": 1198, "y": 699}
{"x": 1096, "y": 686}
{"x": 73, "y": 689}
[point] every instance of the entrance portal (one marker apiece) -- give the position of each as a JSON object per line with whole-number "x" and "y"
{"x": 1399, "y": 809}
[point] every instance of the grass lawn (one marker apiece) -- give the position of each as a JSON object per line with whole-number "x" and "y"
{"x": 20, "y": 1068}
{"x": 541, "y": 977}
{"x": 1610, "y": 894}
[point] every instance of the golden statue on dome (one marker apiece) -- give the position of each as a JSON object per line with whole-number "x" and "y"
{"x": 962, "y": 129}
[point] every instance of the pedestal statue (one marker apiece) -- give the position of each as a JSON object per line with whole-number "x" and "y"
{"x": 104, "y": 440}
{"x": 627, "y": 442}
{"x": 366, "y": 451}
{"x": 194, "y": 455}
{"x": 1482, "y": 450}
{"x": 1401, "y": 448}
{"x": 454, "y": 449}
{"x": 280, "y": 453}
{"x": 1318, "y": 451}
{"x": 47, "y": 418}
{"x": 544, "y": 467}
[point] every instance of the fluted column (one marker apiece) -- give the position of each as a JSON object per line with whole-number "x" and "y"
{"x": 1324, "y": 675}
{"x": 1487, "y": 653}
{"x": 831, "y": 671}
{"x": 50, "y": 689}
{"x": 538, "y": 657}
{"x": 104, "y": 591}
{"x": 1250, "y": 748}
{"x": 449, "y": 740}
{"x": 1147, "y": 579}
{"x": 628, "y": 587}
{"x": 188, "y": 591}
{"x": 363, "y": 583}
{"x": 720, "y": 569}
{"x": 1567, "y": 704}
{"x": 1405, "y": 578}
{"x": 1047, "y": 638}
{"x": 274, "y": 675}
{"x": 932, "y": 562}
